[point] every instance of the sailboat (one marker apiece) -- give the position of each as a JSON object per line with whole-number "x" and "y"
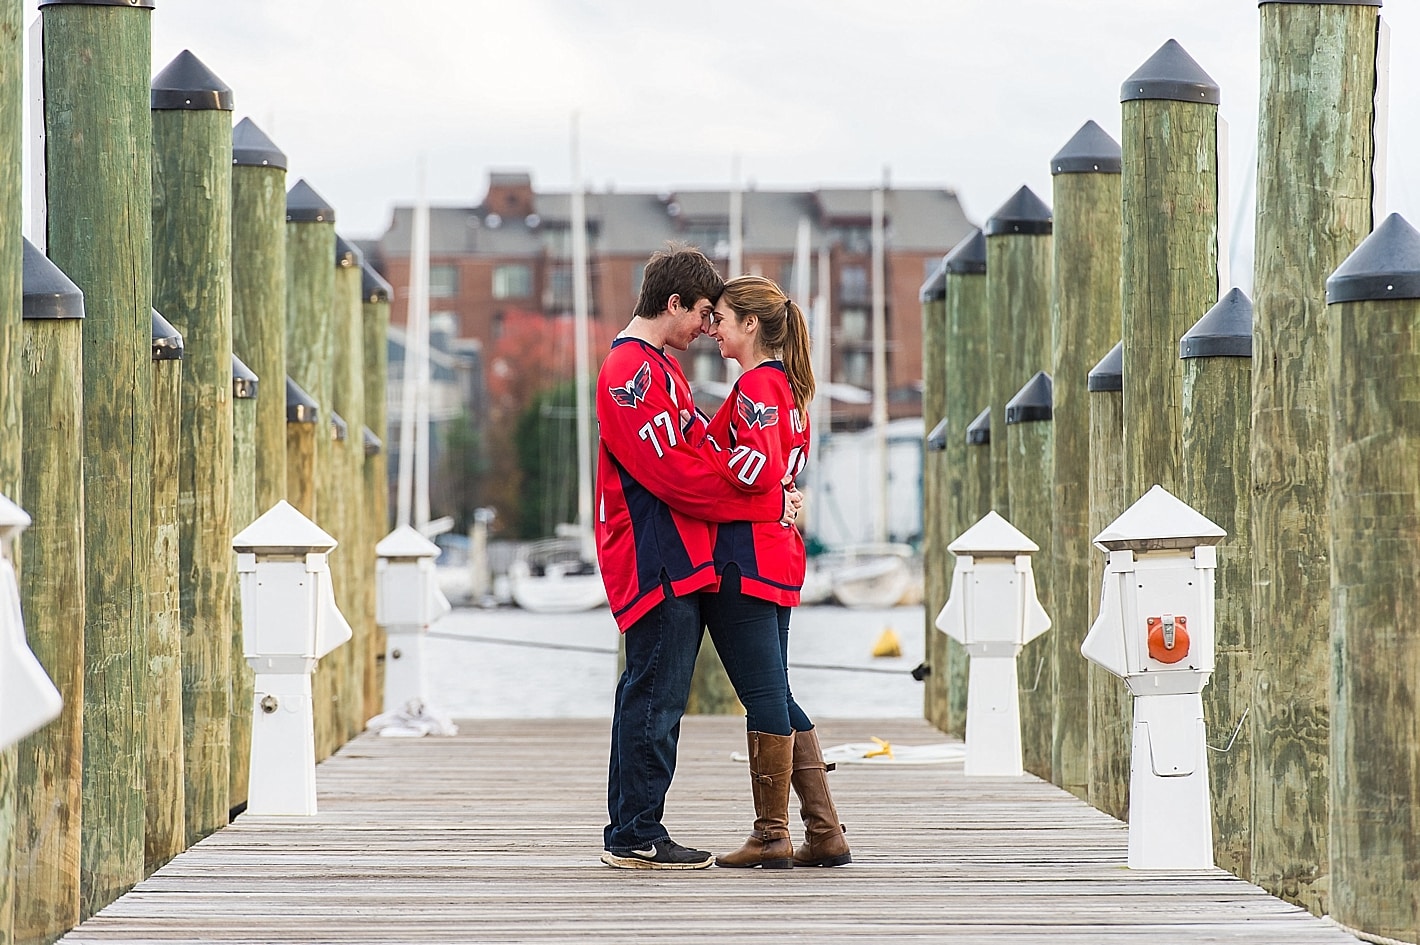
{"x": 880, "y": 573}
{"x": 560, "y": 574}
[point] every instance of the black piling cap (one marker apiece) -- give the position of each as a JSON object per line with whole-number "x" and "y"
{"x": 373, "y": 285}
{"x": 136, "y": 4}
{"x": 167, "y": 340}
{"x": 244, "y": 380}
{"x": 1225, "y": 332}
{"x": 300, "y": 408}
{"x": 1385, "y": 266}
{"x": 978, "y": 432}
{"x": 252, "y": 148}
{"x": 304, "y": 205}
{"x": 48, "y": 292}
{"x": 935, "y": 288}
{"x": 937, "y": 439}
{"x": 347, "y": 255}
{"x": 185, "y": 83}
{"x": 969, "y": 256}
{"x": 1347, "y": 3}
{"x": 1090, "y": 151}
{"x": 339, "y": 429}
{"x": 1170, "y": 74}
{"x": 372, "y": 442}
{"x": 1032, "y": 402}
{"x": 1109, "y": 373}
{"x": 1024, "y": 213}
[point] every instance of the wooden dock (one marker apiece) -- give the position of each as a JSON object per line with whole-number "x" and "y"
{"x": 494, "y": 836}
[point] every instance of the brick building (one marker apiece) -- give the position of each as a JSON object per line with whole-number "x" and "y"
{"x": 512, "y": 252}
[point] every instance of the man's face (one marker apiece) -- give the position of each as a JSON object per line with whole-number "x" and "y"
{"x": 687, "y": 324}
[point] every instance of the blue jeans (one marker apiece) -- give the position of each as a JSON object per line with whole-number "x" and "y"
{"x": 645, "y": 725}
{"x": 752, "y": 637}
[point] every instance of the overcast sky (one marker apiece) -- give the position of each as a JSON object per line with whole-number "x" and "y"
{"x": 975, "y": 95}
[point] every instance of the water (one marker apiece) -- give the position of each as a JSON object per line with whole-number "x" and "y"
{"x": 472, "y": 675}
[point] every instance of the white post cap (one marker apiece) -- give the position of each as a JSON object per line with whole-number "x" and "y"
{"x": 1159, "y": 521}
{"x": 13, "y": 520}
{"x": 405, "y": 542}
{"x": 993, "y": 536}
{"x": 282, "y": 530}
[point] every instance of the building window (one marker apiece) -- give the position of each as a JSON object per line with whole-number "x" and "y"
{"x": 855, "y": 368}
{"x": 512, "y": 281}
{"x": 853, "y": 285}
{"x": 711, "y": 239}
{"x": 557, "y": 298}
{"x": 855, "y": 239}
{"x": 853, "y": 324}
{"x": 443, "y": 282}
{"x": 638, "y": 276}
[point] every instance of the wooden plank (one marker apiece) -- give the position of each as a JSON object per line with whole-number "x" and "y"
{"x": 494, "y": 836}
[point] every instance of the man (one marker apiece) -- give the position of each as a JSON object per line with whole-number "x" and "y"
{"x": 656, "y": 498}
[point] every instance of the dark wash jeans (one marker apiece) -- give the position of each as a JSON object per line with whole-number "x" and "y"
{"x": 752, "y": 637}
{"x": 645, "y": 725}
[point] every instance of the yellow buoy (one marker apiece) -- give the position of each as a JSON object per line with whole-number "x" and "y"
{"x": 888, "y": 644}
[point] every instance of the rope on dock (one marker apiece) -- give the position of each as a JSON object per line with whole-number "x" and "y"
{"x": 603, "y": 651}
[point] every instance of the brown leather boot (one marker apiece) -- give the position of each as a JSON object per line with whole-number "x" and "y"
{"x": 771, "y": 765}
{"x": 824, "y": 841}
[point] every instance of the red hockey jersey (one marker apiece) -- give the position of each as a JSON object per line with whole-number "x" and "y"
{"x": 764, "y": 438}
{"x": 656, "y": 493}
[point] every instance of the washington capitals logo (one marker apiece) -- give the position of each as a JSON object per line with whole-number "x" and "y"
{"x": 756, "y": 415}
{"x": 635, "y": 389}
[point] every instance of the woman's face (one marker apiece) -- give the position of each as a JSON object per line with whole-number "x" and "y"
{"x": 735, "y": 337}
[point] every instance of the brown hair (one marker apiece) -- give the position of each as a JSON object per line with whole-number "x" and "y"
{"x": 679, "y": 269}
{"x": 782, "y": 330}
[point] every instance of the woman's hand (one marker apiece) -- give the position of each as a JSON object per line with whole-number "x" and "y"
{"x": 793, "y": 501}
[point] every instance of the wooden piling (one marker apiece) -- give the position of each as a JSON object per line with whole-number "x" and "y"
{"x": 96, "y": 74}
{"x": 1217, "y": 417}
{"x": 1084, "y": 314}
{"x": 11, "y": 340}
{"x": 1018, "y": 297}
{"x": 1314, "y": 191}
{"x": 1029, "y": 433}
{"x": 375, "y": 317}
{"x": 302, "y": 426}
{"x": 245, "y": 421}
{"x": 710, "y": 690}
{"x": 1373, "y": 334}
{"x": 1111, "y": 707}
{"x": 936, "y": 561}
{"x": 1169, "y": 200}
{"x": 328, "y": 683}
{"x": 259, "y": 292}
{"x": 354, "y": 571}
{"x": 12, "y": 261}
{"x": 164, "y": 798}
{"x": 968, "y": 484}
{"x": 192, "y": 286}
{"x": 49, "y": 763}
{"x": 310, "y": 288}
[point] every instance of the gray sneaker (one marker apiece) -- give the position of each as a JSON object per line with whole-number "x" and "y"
{"x": 661, "y": 855}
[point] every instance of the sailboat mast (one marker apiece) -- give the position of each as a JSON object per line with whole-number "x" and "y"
{"x": 414, "y": 355}
{"x": 737, "y": 243}
{"x": 880, "y": 413}
{"x": 582, "y": 344}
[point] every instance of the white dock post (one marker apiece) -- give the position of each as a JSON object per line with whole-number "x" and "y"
{"x": 1155, "y": 629}
{"x": 993, "y": 611}
{"x": 289, "y": 621}
{"x": 28, "y": 699}
{"x": 407, "y": 601}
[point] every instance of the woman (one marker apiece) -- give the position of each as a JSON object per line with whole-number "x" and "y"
{"x": 762, "y": 431}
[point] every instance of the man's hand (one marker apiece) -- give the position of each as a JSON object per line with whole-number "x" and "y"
{"x": 793, "y": 501}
